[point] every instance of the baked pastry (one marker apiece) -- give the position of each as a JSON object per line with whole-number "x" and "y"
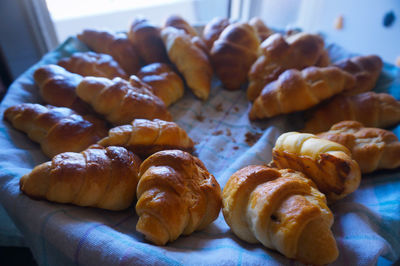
{"x": 371, "y": 109}
{"x": 56, "y": 129}
{"x": 97, "y": 177}
{"x": 365, "y": 69}
{"x": 262, "y": 30}
{"x": 57, "y": 87}
{"x": 191, "y": 61}
{"x": 372, "y": 148}
{"x": 145, "y": 137}
{"x": 324, "y": 60}
{"x": 93, "y": 64}
{"x": 119, "y": 101}
{"x": 296, "y": 90}
{"x": 146, "y": 38}
{"x": 176, "y": 195}
{"x": 283, "y": 210}
{"x": 165, "y": 83}
{"x": 233, "y": 53}
{"x": 118, "y": 46}
{"x": 213, "y": 29}
{"x": 278, "y": 54}
{"x": 327, "y": 163}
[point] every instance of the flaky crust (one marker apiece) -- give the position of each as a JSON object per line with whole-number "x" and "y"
{"x": 176, "y": 195}
{"x": 262, "y": 30}
{"x": 369, "y": 108}
{"x": 365, "y": 69}
{"x": 145, "y": 137}
{"x": 97, "y": 177}
{"x": 278, "y": 54}
{"x": 118, "y": 46}
{"x": 56, "y": 129}
{"x": 165, "y": 83}
{"x": 119, "y": 101}
{"x": 328, "y": 164}
{"x": 372, "y": 148}
{"x": 146, "y": 38}
{"x": 93, "y": 64}
{"x": 213, "y": 29}
{"x": 191, "y": 61}
{"x": 233, "y": 53}
{"x": 283, "y": 210}
{"x": 57, "y": 87}
{"x": 296, "y": 90}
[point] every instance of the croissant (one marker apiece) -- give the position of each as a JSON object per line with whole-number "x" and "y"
{"x": 278, "y": 54}
{"x": 283, "y": 210}
{"x": 97, "y": 177}
{"x": 145, "y": 137}
{"x": 365, "y": 69}
{"x": 372, "y": 148}
{"x": 213, "y": 29}
{"x": 118, "y": 46}
{"x": 93, "y": 64}
{"x": 298, "y": 90}
{"x": 147, "y": 40}
{"x": 57, "y": 87}
{"x": 176, "y": 195}
{"x": 119, "y": 101}
{"x": 262, "y": 30}
{"x": 233, "y": 53}
{"x": 328, "y": 164}
{"x": 56, "y": 129}
{"x": 324, "y": 60}
{"x": 165, "y": 83}
{"x": 191, "y": 61}
{"x": 371, "y": 109}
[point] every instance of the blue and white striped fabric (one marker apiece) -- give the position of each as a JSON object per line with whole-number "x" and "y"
{"x": 367, "y": 223}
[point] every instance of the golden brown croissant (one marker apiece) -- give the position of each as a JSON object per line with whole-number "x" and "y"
{"x": 97, "y": 177}
{"x": 93, "y": 64}
{"x": 372, "y": 148}
{"x": 262, "y": 30}
{"x": 145, "y": 137}
{"x": 233, "y": 53}
{"x": 191, "y": 61}
{"x": 283, "y": 210}
{"x": 365, "y": 69}
{"x": 298, "y": 90}
{"x": 176, "y": 195}
{"x": 328, "y": 164}
{"x": 57, "y": 87}
{"x": 370, "y": 108}
{"x": 279, "y": 54}
{"x": 57, "y": 129}
{"x": 119, "y": 101}
{"x": 146, "y": 38}
{"x": 165, "y": 83}
{"x": 213, "y": 29}
{"x": 324, "y": 60}
{"x": 118, "y": 46}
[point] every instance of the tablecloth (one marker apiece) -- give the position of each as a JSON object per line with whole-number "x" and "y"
{"x": 366, "y": 227}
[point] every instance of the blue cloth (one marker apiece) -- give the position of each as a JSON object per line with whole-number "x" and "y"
{"x": 367, "y": 223}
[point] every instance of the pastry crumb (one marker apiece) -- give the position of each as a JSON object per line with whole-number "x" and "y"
{"x": 236, "y": 109}
{"x": 339, "y": 22}
{"x": 199, "y": 117}
{"x": 252, "y": 138}
{"x": 228, "y": 132}
{"x": 219, "y": 107}
{"x": 217, "y": 133}
{"x": 235, "y": 147}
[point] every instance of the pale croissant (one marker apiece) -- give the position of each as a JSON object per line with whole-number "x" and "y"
{"x": 93, "y": 64}
{"x": 176, "y": 196}
{"x": 283, "y": 210}
{"x": 145, "y": 137}
{"x": 278, "y": 54}
{"x": 372, "y": 148}
{"x": 97, "y": 177}
{"x": 371, "y": 109}
{"x": 119, "y": 101}
{"x": 56, "y": 129}
{"x": 298, "y": 90}
{"x": 327, "y": 163}
{"x": 57, "y": 87}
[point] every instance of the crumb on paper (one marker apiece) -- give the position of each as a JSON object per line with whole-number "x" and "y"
{"x": 398, "y": 61}
{"x": 199, "y": 117}
{"x": 221, "y": 149}
{"x": 235, "y": 147}
{"x": 236, "y": 109}
{"x": 219, "y": 107}
{"x": 339, "y": 22}
{"x": 228, "y": 132}
{"x": 252, "y": 138}
{"x": 217, "y": 133}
